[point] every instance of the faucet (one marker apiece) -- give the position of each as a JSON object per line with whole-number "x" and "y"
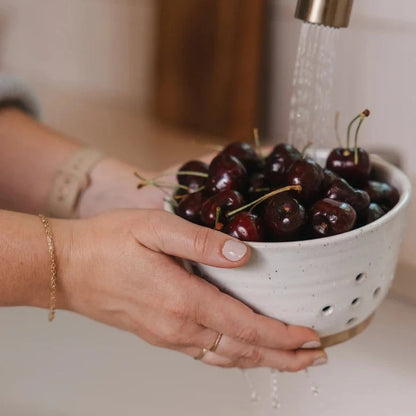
{"x": 333, "y": 13}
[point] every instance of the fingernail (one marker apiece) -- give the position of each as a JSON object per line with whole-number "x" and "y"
{"x": 233, "y": 250}
{"x": 311, "y": 344}
{"x": 320, "y": 361}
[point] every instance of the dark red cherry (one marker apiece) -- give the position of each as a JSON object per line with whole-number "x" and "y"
{"x": 227, "y": 200}
{"x": 283, "y": 217}
{"x": 245, "y": 154}
{"x": 329, "y": 177}
{"x": 257, "y": 186}
{"x": 383, "y": 194}
{"x": 192, "y": 181}
{"x": 309, "y": 175}
{"x": 341, "y": 191}
{"x": 190, "y": 207}
{"x": 278, "y": 163}
{"x": 372, "y": 213}
{"x": 342, "y": 162}
{"x": 225, "y": 172}
{"x": 245, "y": 226}
{"x": 329, "y": 217}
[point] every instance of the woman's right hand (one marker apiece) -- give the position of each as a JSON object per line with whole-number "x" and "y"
{"x": 119, "y": 268}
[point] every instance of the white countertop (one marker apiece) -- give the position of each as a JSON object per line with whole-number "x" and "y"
{"x": 76, "y": 367}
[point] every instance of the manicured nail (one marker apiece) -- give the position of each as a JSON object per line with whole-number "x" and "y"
{"x": 311, "y": 344}
{"x": 233, "y": 250}
{"x": 320, "y": 361}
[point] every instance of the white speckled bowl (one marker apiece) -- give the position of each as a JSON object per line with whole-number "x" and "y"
{"x": 331, "y": 284}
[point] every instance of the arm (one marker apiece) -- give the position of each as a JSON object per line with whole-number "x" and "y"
{"x": 31, "y": 154}
{"x": 117, "y": 268}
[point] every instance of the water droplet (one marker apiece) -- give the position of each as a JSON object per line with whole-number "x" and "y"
{"x": 275, "y": 401}
{"x": 314, "y": 390}
{"x": 254, "y": 396}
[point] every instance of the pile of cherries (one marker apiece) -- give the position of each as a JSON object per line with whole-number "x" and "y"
{"x": 284, "y": 196}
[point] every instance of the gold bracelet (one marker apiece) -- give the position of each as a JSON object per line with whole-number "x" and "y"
{"x": 52, "y": 281}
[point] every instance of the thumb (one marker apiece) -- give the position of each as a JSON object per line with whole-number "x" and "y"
{"x": 170, "y": 234}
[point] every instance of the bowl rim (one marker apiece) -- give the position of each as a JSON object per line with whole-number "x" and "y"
{"x": 376, "y": 160}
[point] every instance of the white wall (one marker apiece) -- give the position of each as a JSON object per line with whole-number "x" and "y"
{"x": 376, "y": 67}
{"x": 100, "y": 48}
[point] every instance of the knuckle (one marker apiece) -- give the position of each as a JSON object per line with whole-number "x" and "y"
{"x": 248, "y": 335}
{"x": 173, "y": 336}
{"x": 200, "y": 243}
{"x": 254, "y": 355}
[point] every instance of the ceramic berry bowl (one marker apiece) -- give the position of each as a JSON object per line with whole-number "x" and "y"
{"x": 332, "y": 284}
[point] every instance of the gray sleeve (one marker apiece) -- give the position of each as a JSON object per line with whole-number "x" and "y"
{"x": 14, "y": 91}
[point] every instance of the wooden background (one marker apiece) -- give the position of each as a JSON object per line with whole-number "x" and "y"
{"x": 209, "y": 65}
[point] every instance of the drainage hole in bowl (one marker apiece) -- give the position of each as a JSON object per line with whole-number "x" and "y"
{"x": 360, "y": 277}
{"x": 377, "y": 292}
{"x": 327, "y": 310}
{"x": 356, "y": 302}
{"x": 351, "y": 321}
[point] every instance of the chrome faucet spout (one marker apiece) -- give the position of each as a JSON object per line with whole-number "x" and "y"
{"x": 333, "y": 13}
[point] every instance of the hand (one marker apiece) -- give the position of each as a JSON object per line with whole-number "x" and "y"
{"x": 118, "y": 269}
{"x": 113, "y": 185}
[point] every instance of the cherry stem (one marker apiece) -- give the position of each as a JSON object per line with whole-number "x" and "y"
{"x": 349, "y": 129}
{"x": 258, "y": 201}
{"x": 257, "y": 143}
{"x": 171, "y": 202}
{"x": 182, "y": 172}
{"x": 363, "y": 115}
{"x": 217, "y": 226}
{"x": 153, "y": 181}
{"x": 336, "y": 126}
{"x": 305, "y": 148}
{"x": 176, "y": 197}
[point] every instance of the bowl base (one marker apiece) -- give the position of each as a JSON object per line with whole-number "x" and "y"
{"x": 343, "y": 336}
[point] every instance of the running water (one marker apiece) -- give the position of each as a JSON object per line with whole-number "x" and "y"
{"x": 254, "y": 396}
{"x": 311, "y": 111}
{"x": 275, "y": 401}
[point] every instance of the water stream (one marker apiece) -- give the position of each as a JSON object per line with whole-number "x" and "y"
{"x": 311, "y": 109}
{"x": 311, "y": 120}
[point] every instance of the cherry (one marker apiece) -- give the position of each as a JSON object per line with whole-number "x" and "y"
{"x": 373, "y": 213}
{"x": 245, "y": 154}
{"x": 194, "y": 182}
{"x": 329, "y": 177}
{"x": 246, "y": 226}
{"x": 353, "y": 164}
{"x": 190, "y": 207}
{"x": 257, "y": 186}
{"x": 226, "y": 200}
{"x": 383, "y": 194}
{"x": 283, "y": 217}
{"x": 309, "y": 175}
{"x": 341, "y": 161}
{"x": 278, "y": 163}
{"x": 341, "y": 191}
{"x": 329, "y": 217}
{"x": 225, "y": 172}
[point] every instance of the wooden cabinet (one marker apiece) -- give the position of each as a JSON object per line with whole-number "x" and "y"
{"x": 209, "y": 63}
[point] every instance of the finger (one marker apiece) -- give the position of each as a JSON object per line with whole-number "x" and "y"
{"x": 175, "y": 236}
{"x": 231, "y": 317}
{"x": 290, "y": 361}
{"x": 250, "y": 356}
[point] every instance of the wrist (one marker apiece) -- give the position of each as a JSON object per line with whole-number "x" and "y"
{"x": 113, "y": 185}
{"x": 70, "y": 181}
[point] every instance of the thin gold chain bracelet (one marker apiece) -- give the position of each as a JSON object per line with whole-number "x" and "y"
{"x": 52, "y": 281}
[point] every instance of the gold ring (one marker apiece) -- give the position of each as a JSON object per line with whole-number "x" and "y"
{"x": 216, "y": 342}
{"x": 201, "y": 355}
